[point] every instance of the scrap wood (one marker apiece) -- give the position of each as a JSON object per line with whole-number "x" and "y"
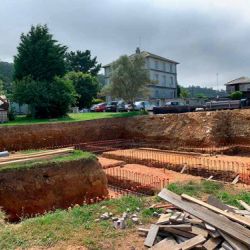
{"x": 236, "y": 179}
{"x": 220, "y": 222}
{"x": 234, "y": 243}
{"x": 189, "y": 244}
{"x": 234, "y": 217}
{"x": 245, "y": 205}
{"x": 226, "y": 246}
{"x": 169, "y": 206}
{"x": 167, "y": 243}
{"x": 184, "y": 227}
{"x": 212, "y": 243}
{"x": 150, "y": 239}
{"x": 217, "y": 203}
{"x": 176, "y": 231}
{"x": 164, "y": 219}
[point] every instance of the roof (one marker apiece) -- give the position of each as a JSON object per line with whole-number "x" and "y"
{"x": 148, "y": 54}
{"x": 241, "y": 80}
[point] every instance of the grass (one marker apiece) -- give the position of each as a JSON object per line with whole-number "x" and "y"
{"x": 76, "y": 226}
{"x": 73, "y": 156}
{"x": 227, "y": 195}
{"x": 24, "y": 120}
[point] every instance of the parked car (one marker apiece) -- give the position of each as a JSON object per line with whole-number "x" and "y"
{"x": 101, "y": 107}
{"x": 116, "y": 106}
{"x": 92, "y": 108}
{"x": 143, "y": 105}
{"x": 174, "y": 107}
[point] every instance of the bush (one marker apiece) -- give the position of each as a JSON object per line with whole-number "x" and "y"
{"x": 47, "y": 99}
{"x": 237, "y": 95}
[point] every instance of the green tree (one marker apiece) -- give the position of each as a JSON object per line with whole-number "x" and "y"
{"x": 86, "y": 87}
{"x": 201, "y": 96}
{"x": 6, "y": 75}
{"x": 45, "y": 99}
{"x": 129, "y": 78}
{"x": 1, "y": 87}
{"x": 237, "y": 95}
{"x": 82, "y": 61}
{"x": 184, "y": 93}
{"x": 178, "y": 90}
{"x": 39, "y": 55}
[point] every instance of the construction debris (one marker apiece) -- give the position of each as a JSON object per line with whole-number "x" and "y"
{"x": 194, "y": 224}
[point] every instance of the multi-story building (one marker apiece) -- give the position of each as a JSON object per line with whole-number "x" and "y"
{"x": 162, "y": 73}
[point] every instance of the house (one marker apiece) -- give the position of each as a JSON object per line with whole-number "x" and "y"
{"x": 162, "y": 73}
{"x": 4, "y": 106}
{"x": 240, "y": 84}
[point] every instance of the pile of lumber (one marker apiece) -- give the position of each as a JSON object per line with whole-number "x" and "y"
{"x": 194, "y": 224}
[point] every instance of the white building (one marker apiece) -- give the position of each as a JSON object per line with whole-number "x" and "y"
{"x": 162, "y": 72}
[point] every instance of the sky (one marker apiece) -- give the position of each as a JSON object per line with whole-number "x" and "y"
{"x": 205, "y": 36}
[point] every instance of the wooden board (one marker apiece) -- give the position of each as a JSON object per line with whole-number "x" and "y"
{"x": 176, "y": 231}
{"x": 189, "y": 244}
{"x": 164, "y": 219}
{"x": 233, "y": 229}
{"x": 212, "y": 243}
{"x": 167, "y": 243}
{"x": 150, "y": 239}
{"x": 184, "y": 227}
{"x": 217, "y": 203}
{"x": 199, "y": 231}
{"x": 234, "y": 243}
{"x": 234, "y": 217}
{"x": 243, "y": 204}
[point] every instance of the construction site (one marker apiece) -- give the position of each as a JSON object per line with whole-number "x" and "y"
{"x": 55, "y": 166}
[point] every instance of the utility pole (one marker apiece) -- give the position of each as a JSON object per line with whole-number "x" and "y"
{"x": 217, "y": 83}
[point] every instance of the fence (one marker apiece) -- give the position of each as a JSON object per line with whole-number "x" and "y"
{"x": 133, "y": 181}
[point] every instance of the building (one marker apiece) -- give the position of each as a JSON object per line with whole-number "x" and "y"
{"x": 240, "y": 84}
{"x": 4, "y": 106}
{"x": 162, "y": 73}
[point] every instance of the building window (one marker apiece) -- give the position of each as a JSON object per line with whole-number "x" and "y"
{"x": 164, "y": 80}
{"x": 171, "y": 68}
{"x": 164, "y": 66}
{"x": 156, "y": 78}
{"x": 171, "y": 81}
{"x": 156, "y": 65}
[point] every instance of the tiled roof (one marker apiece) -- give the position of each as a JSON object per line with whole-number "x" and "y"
{"x": 240, "y": 80}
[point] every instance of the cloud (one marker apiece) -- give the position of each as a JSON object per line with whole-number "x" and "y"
{"x": 205, "y": 36}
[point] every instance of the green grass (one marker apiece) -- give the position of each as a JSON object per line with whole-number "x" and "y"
{"x": 73, "y": 156}
{"x": 227, "y": 195}
{"x": 24, "y": 120}
{"x": 74, "y": 226}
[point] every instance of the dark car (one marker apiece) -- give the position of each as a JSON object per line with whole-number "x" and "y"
{"x": 101, "y": 107}
{"x": 116, "y": 106}
{"x": 173, "y": 107}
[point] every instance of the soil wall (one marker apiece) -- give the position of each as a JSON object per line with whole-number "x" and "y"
{"x": 191, "y": 129}
{"x": 59, "y": 134}
{"x": 26, "y": 192}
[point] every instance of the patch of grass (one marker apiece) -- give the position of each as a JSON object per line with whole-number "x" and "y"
{"x": 24, "y": 120}
{"x": 73, "y": 156}
{"x": 75, "y": 226}
{"x": 200, "y": 189}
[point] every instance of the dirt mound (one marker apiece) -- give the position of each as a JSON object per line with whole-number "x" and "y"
{"x": 30, "y": 191}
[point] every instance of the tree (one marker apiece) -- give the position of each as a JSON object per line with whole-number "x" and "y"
{"x": 129, "y": 78}
{"x": 237, "y": 95}
{"x": 1, "y": 87}
{"x": 82, "y": 61}
{"x": 201, "y": 96}
{"x": 178, "y": 90}
{"x": 39, "y": 56}
{"x": 6, "y": 75}
{"x": 184, "y": 93}
{"x": 46, "y": 99}
{"x": 86, "y": 87}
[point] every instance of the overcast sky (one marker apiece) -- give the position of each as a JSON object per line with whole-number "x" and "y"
{"x": 205, "y": 36}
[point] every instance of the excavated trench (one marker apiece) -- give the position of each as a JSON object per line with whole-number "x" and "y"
{"x": 25, "y": 192}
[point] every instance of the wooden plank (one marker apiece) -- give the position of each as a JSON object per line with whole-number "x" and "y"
{"x": 217, "y": 203}
{"x": 212, "y": 243}
{"x": 242, "y": 212}
{"x": 150, "y": 239}
{"x": 184, "y": 227}
{"x": 244, "y": 204}
{"x": 234, "y": 217}
{"x": 215, "y": 234}
{"x": 189, "y": 244}
{"x": 233, "y": 229}
{"x": 210, "y": 177}
{"x": 183, "y": 169}
{"x": 167, "y": 243}
{"x": 199, "y": 231}
{"x": 209, "y": 227}
{"x": 234, "y": 243}
{"x": 175, "y": 216}
{"x": 226, "y": 246}
{"x": 236, "y": 179}
{"x": 164, "y": 219}
{"x": 178, "y": 232}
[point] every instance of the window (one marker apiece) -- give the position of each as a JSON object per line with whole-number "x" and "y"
{"x": 156, "y": 77}
{"x": 164, "y": 80}
{"x": 171, "y": 81}
{"x": 156, "y": 64}
{"x": 171, "y": 68}
{"x": 163, "y": 66}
